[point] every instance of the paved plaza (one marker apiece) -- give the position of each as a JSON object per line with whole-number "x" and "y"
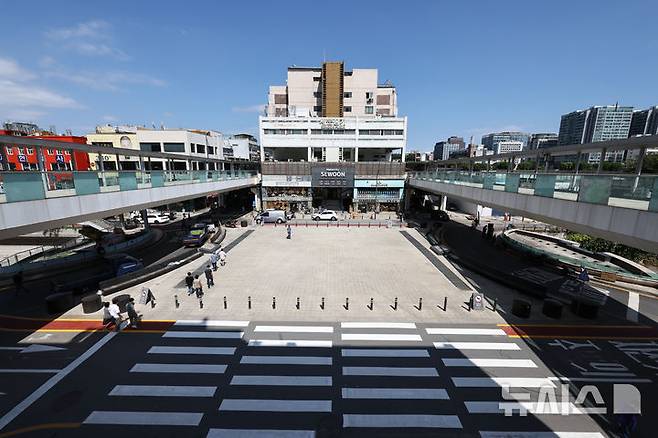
{"x": 320, "y": 371}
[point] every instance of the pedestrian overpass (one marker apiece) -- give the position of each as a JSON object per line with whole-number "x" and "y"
{"x": 613, "y": 206}
{"x": 41, "y": 199}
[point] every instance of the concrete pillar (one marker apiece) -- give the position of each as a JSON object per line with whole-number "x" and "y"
{"x": 144, "y": 215}
{"x": 444, "y": 202}
{"x": 578, "y": 158}
{"x": 600, "y": 166}
{"x": 547, "y": 159}
{"x": 640, "y": 161}
{"x": 118, "y": 162}
{"x": 258, "y": 194}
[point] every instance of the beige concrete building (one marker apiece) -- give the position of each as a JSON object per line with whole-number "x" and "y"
{"x": 331, "y": 91}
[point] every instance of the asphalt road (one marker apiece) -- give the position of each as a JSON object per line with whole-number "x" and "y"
{"x": 247, "y": 379}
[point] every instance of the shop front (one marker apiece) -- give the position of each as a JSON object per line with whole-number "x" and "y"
{"x": 287, "y": 192}
{"x": 378, "y": 194}
{"x": 332, "y": 186}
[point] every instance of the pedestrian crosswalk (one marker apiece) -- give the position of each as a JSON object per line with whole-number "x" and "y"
{"x": 370, "y": 378}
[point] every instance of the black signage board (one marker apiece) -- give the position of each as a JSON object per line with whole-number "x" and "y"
{"x": 328, "y": 176}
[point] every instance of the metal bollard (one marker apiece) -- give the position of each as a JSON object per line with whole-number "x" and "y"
{"x": 249, "y": 302}
{"x": 371, "y": 303}
{"x": 445, "y": 303}
{"x": 347, "y": 304}
{"x": 225, "y": 306}
{"x": 494, "y": 304}
{"x": 273, "y": 302}
{"x": 322, "y": 304}
{"x": 395, "y": 304}
{"x": 200, "y": 304}
{"x": 297, "y": 305}
{"x": 176, "y": 301}
{"x": 420, "y": 304}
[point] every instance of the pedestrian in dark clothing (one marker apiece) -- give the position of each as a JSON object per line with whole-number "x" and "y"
{"x": 289, "y": 231}
{"x": 209, "y": 278}
{"x": 132, "y": 313}
{"x": 189, "y": 282}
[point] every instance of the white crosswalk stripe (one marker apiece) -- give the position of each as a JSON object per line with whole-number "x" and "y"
{"x": 476, "y": 346}
{"x": 278, "y": 380}
{"x": 275, "y": 405}
{"x": 289, "y": 343}
{"x": 163, "y": 391}
{"x": 294, "y": 329}
{"x": 282, "y": 380}
{"x": 203, "y": 335}
{"x": 398, "y": 421}
{"x": 389, "y": 352}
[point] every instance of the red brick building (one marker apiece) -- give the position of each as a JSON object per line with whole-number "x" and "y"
{"x": 26, "y": 158}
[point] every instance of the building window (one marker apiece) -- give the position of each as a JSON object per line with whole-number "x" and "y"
{"x": 347, "y": 94}
{"x": 174, "y": 147}
{"x": 384, "y": 99}
{"x": 10, "y": 150}
{"x": 67, "y": 152}
{"x": 281, "y": 98}
{"x": 347, "y": 109}
{"x": 200, "y": 149}
{"x": 317, "y": 109}
{"x": 211, "y": 150}
{"x": 20, "y": 151}
{"x": 150, "y": 147}
{"x": 368, "y": 94}
{"x": 399, "y": 132}
{"x": 317, "y": 94}
{"x": 369, "y": 110}
{"x": 30, "y": 151}
{"x": 383, "y": 111}
{"x": 317, "y": 78}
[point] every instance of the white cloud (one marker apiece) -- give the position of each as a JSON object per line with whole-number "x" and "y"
{"x": 20, "y": 99}
{"x": 248, "y": 109}
{"x": 108, "y": 81}
{"x": 9, "y": 69}
{"x": 92, "y": 38}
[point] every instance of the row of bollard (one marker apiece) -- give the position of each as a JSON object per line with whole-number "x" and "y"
{"x": 348, "y": 225}
{"x": 371, "y": 306}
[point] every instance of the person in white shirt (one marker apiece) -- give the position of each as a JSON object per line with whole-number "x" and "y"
{"x": 222, "y": 257}
{"x": 115, "y": 313}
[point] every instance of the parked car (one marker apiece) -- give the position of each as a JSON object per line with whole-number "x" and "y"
{"x": 123, "y": 264}
{"x": 271, "y": 216}
{"x": 197, "y": 236}
{"x": 325, "y": 215}
{"x": 154, "y": 218}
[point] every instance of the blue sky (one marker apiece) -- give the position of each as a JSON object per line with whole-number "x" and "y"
{"x": 461, "y": 67}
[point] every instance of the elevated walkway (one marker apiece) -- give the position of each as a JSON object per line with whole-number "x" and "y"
{"x": 34, "y": 201}
{"x": 621, "y": 208}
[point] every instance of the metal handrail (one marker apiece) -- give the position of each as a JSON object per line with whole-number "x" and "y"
{"x": 7, "y": 261}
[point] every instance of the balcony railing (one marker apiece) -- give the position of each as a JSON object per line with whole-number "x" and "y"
{"x": 16, "y": 186}
{"x": 639, "y": 192}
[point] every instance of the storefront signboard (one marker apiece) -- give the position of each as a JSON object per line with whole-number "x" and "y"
{"x": 393, "y": 183}
{"x": 332, "y": 176}
{"x": 286, "y": 181}
{"x": 332, "y": 124}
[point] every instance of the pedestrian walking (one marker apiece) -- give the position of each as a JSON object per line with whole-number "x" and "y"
{"x": 209, "y": 278}
{"x": 115, "y": 314}
{"x": 132, "y": 313}
{"x": 198, "y": 286}
{"x": 583, "y": 275}
{"x": 222, "y": 257}
{"x": 189, "y": 281}
{"x": 289, "y": 232}
{"x": 214, "y": 258}
{"x": 107, "y": 316}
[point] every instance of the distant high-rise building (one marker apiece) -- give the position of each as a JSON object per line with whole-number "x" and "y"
{"x": 597, "y": 123}
{"x": 444, "y": 149}
{"x": 542, "y": 140}
{"x": 644, "y": 122}
{"x": 489, "y": 140}
{"x": 503, "y": 147}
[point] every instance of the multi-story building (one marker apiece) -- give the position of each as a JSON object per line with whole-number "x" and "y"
{"x": 199, "y": 143}
{"x": 337, "y": 122}
{"x": 506, "y": 146}
{"x": 53, "y": 159}
{"x": 489, "y": 140}
{"x": 542, "y": 140}
{"x": 644, "y": 122}
{"x": 245, "y": 147}
{"x": 445, "y": 149}
{"x": 597, "y": 123}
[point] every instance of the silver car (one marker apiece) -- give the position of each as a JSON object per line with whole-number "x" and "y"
{"x": 272, "y": 216}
